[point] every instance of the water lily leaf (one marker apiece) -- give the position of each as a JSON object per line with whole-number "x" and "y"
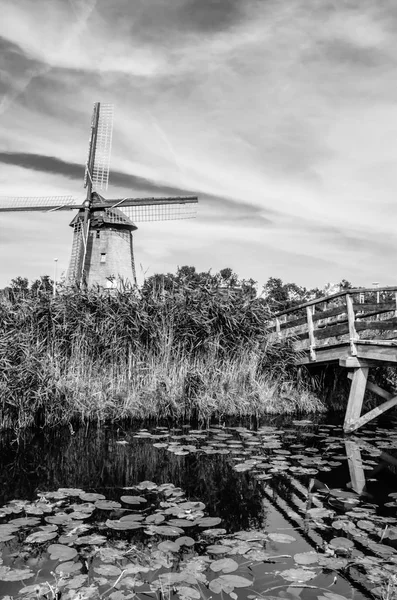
{"x": 91, "y": 540}
{"x": 68, "y": 540}
{"x": 133, "y": 500}
{"x": 185, "y": 541}
{"x": 281, "y": 538}
{"x": 250, "y": 536}
{"x": 59, "y": 519}
{"x": 77, "y": 582}
{"x": 218, "y": 549}
{"x": 120, "y": 525}
{"x": 187, "y": 593}
{"x": 165, "y": 530}
{"x": 208, "y": 521}
{"x": 25, "y": 522}
{"x": 330, "y": 562}
{"x": 298, "y": 575}
{"x": 306, "y": 558}
{"x": 7, "y": 574}
{"x": 341, "y": 543}
{"x": 40, "y": 536}
{"x": 107, "y": 504}
{"x": 132, "y": 518}
{"x": 61, "y": 552}
{"x": 366, "y": 525}
{"x": 169, "y": 546}
{"x": 227, "y": 583}
{"x": 68, "y": 567}
{"x": 147, "y": 485}
{"x": 134, "y": 569}
{"x": 226, "y": 565}
{"x": 108, "y": 570}
{"x": 39, "y": 590}
{"x": 257, "y": 554}
{"x": 155, "y": 518}
{"x": 214, "y": 532}
{"x": 91, "y": 497}
{"x": 242, "y": 467}
{"x": 320, "y": 512}
{"x": 34, "y": 510}
{"x": 191, "y": 506}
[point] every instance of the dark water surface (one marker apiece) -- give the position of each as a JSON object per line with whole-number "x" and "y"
{"x": 277, "y": 509}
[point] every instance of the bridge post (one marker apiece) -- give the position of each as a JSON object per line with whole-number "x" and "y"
{"x": 356, "y": 398}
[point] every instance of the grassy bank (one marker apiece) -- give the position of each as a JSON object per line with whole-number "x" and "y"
{"x": 192, "y": 353}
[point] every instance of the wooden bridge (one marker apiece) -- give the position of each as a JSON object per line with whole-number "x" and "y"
{"x": 356, "y": 328}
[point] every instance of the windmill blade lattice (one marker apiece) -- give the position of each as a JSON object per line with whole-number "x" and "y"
{"x": 140, "y": 214}
{"x": 103, "y": 148}
{"x": 43, "y": 203}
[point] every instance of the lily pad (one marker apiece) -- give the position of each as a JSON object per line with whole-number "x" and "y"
{"x": 61, "y": 552}
{"x": 227, "y": 583}
{"x": 107, "y": 504}
{"x": 341, "y": 543}
{"x": 306, "y": 558}
{"x": 68, "y": 567}
{"x": 108, "y": 570}
{"x": 40, "y": 537}
{"x": 225, "y": 565}
{"x": 169, "y": 546}
{"x": 208, "y": 521}
{"x": 281, "y": 538}
{"x": 165, "y": 530}
{"x": 133, "y": 500}
{"x": 185, "y": 541}
{"x": 298, "y": 575}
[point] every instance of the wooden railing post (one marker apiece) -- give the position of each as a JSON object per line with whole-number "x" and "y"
{"x": 310, "y": 327}
{"x": 352, "y": 329}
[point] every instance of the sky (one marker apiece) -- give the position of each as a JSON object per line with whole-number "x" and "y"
{"x": 280, "y": 115}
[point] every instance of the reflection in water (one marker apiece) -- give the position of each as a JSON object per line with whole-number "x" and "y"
{"x": 97, "y": 462}
{"x": 356, "y": 468}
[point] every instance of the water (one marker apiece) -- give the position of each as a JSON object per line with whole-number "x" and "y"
{"x": 286, "y": 508}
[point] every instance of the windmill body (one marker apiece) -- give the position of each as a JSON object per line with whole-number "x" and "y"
{"x": 102, "y": 247}
{"x": 109, "y": 258}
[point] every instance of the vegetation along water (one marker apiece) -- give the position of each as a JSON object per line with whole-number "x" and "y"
{"x": 185, "y": 346}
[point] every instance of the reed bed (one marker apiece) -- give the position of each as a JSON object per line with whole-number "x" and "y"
{"x": 192, "y": 353}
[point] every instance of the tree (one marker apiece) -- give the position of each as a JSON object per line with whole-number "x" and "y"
{"x": 43, "y": 285}
{"x": 280, "y": 296}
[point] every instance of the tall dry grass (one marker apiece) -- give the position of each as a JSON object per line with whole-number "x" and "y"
{"x": 94, "y": 356}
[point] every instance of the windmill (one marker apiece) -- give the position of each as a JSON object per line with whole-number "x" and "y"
{"x": 102, "y": 248}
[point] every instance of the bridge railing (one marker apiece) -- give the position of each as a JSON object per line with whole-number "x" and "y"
{"x": 359, "y": 315}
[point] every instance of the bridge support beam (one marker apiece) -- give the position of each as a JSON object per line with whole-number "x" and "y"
{"x": 356, "y": 398}
{"x": 360, "y": 383}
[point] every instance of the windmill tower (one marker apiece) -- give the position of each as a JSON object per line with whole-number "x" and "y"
{"x": 102, "y": 247}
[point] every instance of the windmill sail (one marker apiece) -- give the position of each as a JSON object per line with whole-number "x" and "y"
{"x": 103, "y": 148}
{"x": 76, "y": 257}
{"x": 154, "y": 209}
{"x": 44, "y": 203}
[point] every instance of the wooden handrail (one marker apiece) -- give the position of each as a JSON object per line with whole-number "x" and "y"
{"x": 343, "y": 322}
{"x": 392, "y": 288}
